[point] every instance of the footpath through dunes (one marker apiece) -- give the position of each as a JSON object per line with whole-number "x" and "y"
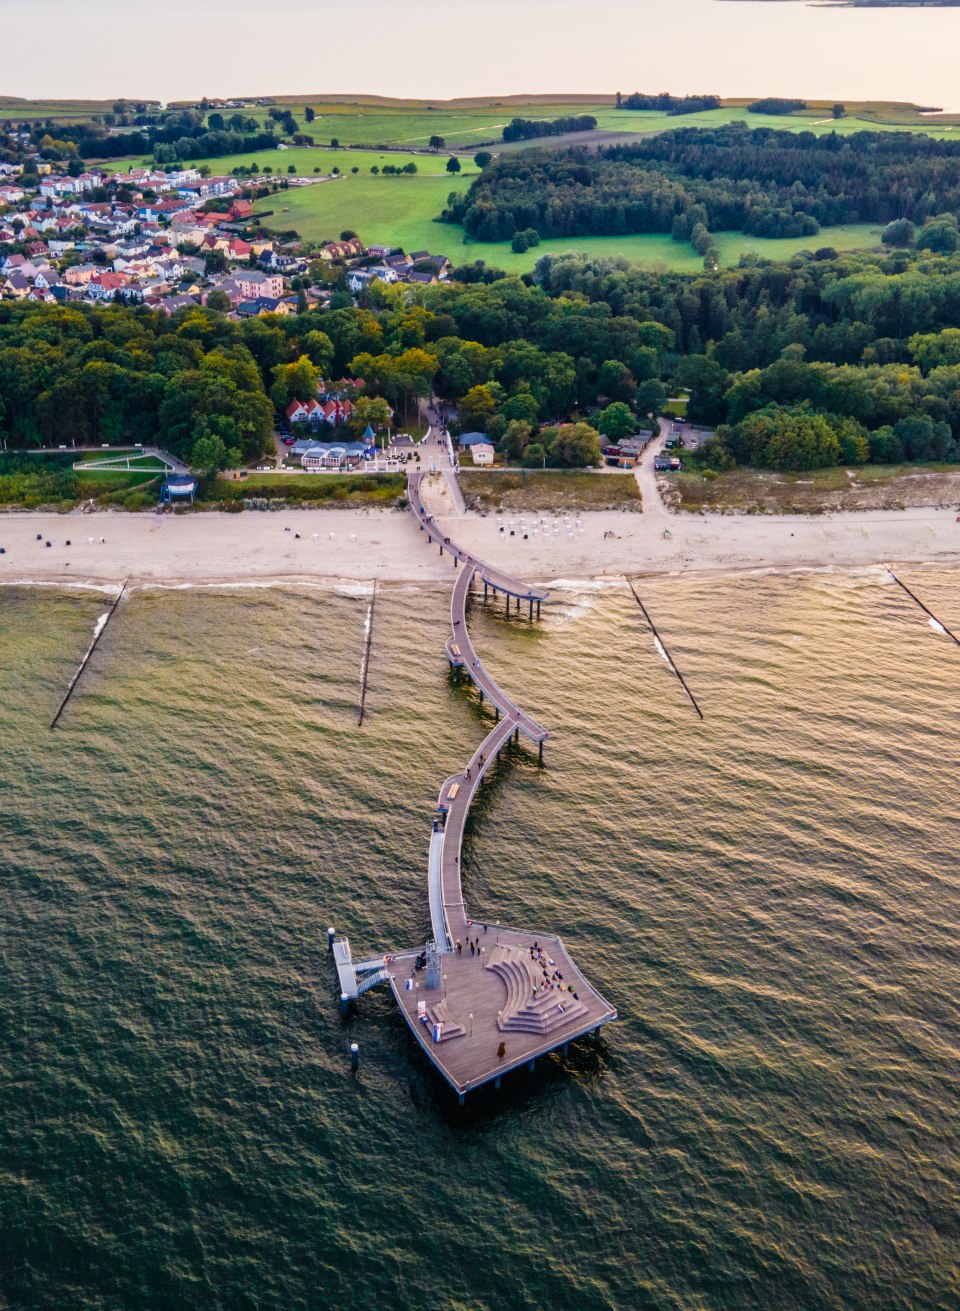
{"x": 482, "y": 999}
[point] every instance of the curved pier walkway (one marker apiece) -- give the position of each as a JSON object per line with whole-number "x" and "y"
{"x": 490, "y": 998}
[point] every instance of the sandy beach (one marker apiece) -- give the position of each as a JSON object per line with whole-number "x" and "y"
{"x": 386, "y": 544}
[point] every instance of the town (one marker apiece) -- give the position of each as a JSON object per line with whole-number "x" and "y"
{"x": 174, "y": 240}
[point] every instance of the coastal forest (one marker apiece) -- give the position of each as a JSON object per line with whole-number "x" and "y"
{"x": 825, "y": 359}
{"x": 692, "y": 182}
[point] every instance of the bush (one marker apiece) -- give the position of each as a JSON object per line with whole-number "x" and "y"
{"x": 898, "y": 233}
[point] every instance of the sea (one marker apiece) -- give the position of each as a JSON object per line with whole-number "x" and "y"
{"x": 768, "y": 895}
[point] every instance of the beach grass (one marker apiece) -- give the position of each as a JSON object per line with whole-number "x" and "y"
{"x": 377, "y": 489}
{"x": 553, "y": 490}
{"x": 759, "y": 491}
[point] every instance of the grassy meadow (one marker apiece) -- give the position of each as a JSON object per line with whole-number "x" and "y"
{"x": 402, "y": 211}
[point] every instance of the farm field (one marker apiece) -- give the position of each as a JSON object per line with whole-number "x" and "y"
{"x": 64, "y": 110}
{"x": 376, "y": 121}
{"x": 402, "y": 212}
{"x": 658, "y": 251}
{"x": 308, "y": 160}
{"x": 399, "y": 211}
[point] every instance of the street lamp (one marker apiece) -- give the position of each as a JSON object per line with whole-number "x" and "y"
{"x": 471, "y": 1024}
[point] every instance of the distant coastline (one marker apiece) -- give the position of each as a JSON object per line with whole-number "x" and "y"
{"x": 868, "y": 4}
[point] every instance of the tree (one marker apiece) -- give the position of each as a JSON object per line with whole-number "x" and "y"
{"x": 453, "y": 164}
{"x": 219, "y": 301}
{"x": 651, "y": 396}
{"x": 570, "y": 446}
{"x": 898, "y": 233}
{"x": 482, "y": 158}
{"x": 214, "y": 261}
{"x": 309, "y": 114}
{"x": 519, "y": 243}
{"x": 374, "y": 169}
{"x": 615, "y": 381}
{"x": 291, "y": 168}
{"x": 707, "y": 381}
{"x": 521, "y": 407}
{"x": 298, "y": 381}
{"x": 617, "y": 421}
{"x": 940, "y": 234}
{"x": 210, "y": 455}
{"x": 515, "y": 439}
{"x": 437, "y": 143}
{"x": 369, "y": 411}
{"x": 477, "y": 408}
{"x": 334, "y": 143}
{"x": 838, "y": 111}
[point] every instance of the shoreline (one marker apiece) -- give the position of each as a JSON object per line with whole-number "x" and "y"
{"x": 350, "y": 548}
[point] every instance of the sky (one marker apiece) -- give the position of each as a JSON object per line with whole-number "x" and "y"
{"x": 438, "y": 49}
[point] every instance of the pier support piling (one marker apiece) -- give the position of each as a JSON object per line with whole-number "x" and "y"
{"x": 331, "y": 934}
{"x": 354, "y": 1056}
{"x": 541, "y": 753}
{"x": 344, "y": 1004}
{"x": 496, "y": 1082}
{"x": 532, "y": 1065}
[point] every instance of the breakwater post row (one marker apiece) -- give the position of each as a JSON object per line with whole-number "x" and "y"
{"x": 98, "y": 632}
{"x": 925, "y": 608}
{"x": 365, "y": 664}
{"x": 663, "y": 647}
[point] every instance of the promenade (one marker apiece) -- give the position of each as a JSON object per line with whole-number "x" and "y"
{"x": 486, "y": 998}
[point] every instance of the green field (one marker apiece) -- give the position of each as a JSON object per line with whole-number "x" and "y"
{"x": 398, "y": 211}
{"x": 402, "y": 211}
{"x": 373, "y": 120}
{"x": 70, "y": 111}
{"x": 658, "y": 251}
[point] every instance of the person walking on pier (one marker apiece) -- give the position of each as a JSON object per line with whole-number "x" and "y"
{"x": 501, "y": 1051}
{"x": 459, "y": 947}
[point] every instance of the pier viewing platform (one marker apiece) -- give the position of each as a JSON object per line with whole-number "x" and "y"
{"x": 483, "y": 999}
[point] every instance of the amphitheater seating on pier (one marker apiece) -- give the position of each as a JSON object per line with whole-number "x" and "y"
{"x": 437, "y": 1014}
{"x": 541, "y": 1013}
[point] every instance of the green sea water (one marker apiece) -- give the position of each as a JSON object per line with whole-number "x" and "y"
{"x": 769, "y": 897}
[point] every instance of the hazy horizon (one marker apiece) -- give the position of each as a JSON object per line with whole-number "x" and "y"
{"x": 506, "y": 47}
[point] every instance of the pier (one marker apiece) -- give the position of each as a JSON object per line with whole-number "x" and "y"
{"x": 517, "y": 995}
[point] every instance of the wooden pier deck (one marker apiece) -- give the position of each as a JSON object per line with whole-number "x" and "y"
{"x": 518, "y": 994}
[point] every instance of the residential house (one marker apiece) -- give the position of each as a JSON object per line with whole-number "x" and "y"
{"x": 482, "y": 453}
{"x": 357, "y": 279}
{"x": 80, "y": 274}
{"x": 16, "y": 286}
{"x": 254, "y": 283}
{"x": 176, "y": 302}
{"x": 251, "y": 309}
{"x": 304, "y": 412}
{"x": 103, "y": 285}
